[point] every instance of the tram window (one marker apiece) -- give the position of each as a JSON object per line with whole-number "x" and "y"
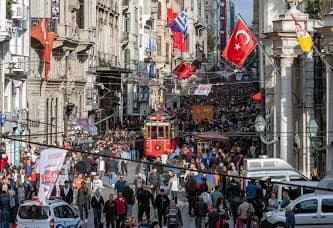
{"x": 160, "y": 132}
{"x": 153, "y": 132}
{"x": 167, "y": 132}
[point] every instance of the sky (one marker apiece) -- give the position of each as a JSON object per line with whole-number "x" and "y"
{"x": 245, "y": 9}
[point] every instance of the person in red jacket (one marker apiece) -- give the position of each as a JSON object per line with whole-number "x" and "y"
{"x": 121, "y": 204}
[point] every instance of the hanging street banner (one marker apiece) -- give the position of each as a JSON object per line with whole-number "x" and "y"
{"x": 203, "y": 90}
{"x": 51, "y": 161}
{"x": 201, "y": 112}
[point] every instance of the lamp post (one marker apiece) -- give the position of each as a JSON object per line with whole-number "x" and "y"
{"x": 312, "y": 130}
{"x": 260, "y": 124}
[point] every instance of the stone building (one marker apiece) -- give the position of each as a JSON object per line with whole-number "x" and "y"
{"x": 14, "y": 69}
{"x": 289, "y": 79}
{"x": 54, "y": 104}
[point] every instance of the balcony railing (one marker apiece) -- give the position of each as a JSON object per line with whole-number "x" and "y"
{"x": 6, "y": 30}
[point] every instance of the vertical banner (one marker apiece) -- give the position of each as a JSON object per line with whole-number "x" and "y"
{"x": 17, "y": 145}
{"x": 51, "y": 161}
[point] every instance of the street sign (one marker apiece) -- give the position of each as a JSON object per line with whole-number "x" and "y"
{"x": 2, "y": 118}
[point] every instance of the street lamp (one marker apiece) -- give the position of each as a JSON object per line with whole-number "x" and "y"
{"x": 312, "y": 130}
{"x": 260, "y": 124}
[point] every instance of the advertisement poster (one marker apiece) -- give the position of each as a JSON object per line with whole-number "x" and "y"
{"x": 51, "y": 161}
{"x": 201, "y": 112}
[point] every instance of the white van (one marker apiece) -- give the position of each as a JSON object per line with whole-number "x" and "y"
{"x": 274, "y": 169}
{"x": 295, "y": 190}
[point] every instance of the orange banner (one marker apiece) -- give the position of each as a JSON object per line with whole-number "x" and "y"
{"x": 201, "y": 112}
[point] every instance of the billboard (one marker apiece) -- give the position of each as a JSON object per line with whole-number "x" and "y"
{"x": 201, "y": 112}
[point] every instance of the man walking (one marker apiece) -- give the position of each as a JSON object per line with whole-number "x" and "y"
{"x": 66, "y": 193}
{"x": 121, "y": 205}
{"x": 162, "y": 203}
{"x": 144, "y": 196}
{"x": 200, "y": 210}
{"x": 82, "y": 199}
{"x": 110, "y": 212}
{"x": 174, "y": 216}
{"x": 97, "y": 204}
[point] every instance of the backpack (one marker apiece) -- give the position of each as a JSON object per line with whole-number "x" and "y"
{"x": 173, "y": 216}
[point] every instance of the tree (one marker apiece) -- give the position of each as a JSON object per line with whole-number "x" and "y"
{"x": 317, "y": 9}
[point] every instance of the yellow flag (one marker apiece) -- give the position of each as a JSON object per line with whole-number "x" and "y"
{"x": 303, "y": 37}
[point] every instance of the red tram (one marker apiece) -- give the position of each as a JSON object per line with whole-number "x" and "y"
{"x": 161, "y": 134}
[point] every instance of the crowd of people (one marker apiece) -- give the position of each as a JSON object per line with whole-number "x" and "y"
{"x": 156, "y": 190}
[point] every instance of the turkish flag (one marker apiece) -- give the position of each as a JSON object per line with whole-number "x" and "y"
{"x": 257, "y": 96}
{"x": 178, "y": 41}
{"x": 240, "y": 44}
{"x": 184, "y": 71}
{"x": 47, "y": 54}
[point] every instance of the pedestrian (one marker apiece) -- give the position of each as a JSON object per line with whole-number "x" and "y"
{"x": 5, "y": 209}
{"x": 200, "y": 212}
{"x": 285, "y": 199}
{"x": 110, "y": 212}
{"x": 121, "y": 205}
{"x": 111, "y": 167}
{"x": 97, "y": 204}
{"x": 120, "y": 184}
{"x": 101, "y": 167}
{"x": 144, "y": 197}
{"x": 97, "y": 183}
{"x": 290, "y": 218}
{"x": 154, "y": 180}
{"x": 129, "y": 195}
{"x": 145, "y": 223}
{"x": 82, "y": 199}
{"x": 245, "y": 212}
{"x": 162, "y": 203}
{"x": 174, "y": 187}
{"x": 174, "y": 216}
{"x": 215, "y": 196}
{"x": 213, "y": 218}
{"x": 66, "y": 193}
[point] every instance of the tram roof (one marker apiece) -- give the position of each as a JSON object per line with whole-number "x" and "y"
{"x": 161, "y": 116}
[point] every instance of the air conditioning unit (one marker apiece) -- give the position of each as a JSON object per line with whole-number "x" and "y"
{"x": 17, "y": 64}
{"x": 18, "y": 11}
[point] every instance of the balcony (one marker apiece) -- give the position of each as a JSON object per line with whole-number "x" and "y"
{"x": 86, "y": 39}
{"x": 18, "y": 64}
{"x": 6, "y": 30}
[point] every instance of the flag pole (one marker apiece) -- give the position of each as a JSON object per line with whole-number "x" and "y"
{"x": 328, "y": 66}
{"x": 259, "y": 43}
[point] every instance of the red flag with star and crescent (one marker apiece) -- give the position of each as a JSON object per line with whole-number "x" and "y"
{"x": 240, "y": 44}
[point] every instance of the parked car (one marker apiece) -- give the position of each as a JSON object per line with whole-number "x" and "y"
{"x": 52, "y": 213}
{"x": 311, "y": 210}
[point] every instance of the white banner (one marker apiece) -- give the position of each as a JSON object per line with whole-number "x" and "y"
{"x": 51, "y": 161}
{"x": 203, "y": 90}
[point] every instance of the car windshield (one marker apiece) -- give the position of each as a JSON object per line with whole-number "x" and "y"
{"x": 34, "y": 212}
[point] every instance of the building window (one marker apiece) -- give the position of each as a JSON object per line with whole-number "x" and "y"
{"x": 159, "y": 11}
{"x": 127, "y": 24}
{"x": 167, "y": 53}
{"x": 159, "y": 45}
{"x": 80, "y": 15}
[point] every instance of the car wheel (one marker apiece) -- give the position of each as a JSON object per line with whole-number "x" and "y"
{"x": 279, "y": 225}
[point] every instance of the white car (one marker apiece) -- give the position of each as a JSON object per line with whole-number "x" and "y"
{"x": 52, "y": 213}
{"x": 311, "y": 210}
